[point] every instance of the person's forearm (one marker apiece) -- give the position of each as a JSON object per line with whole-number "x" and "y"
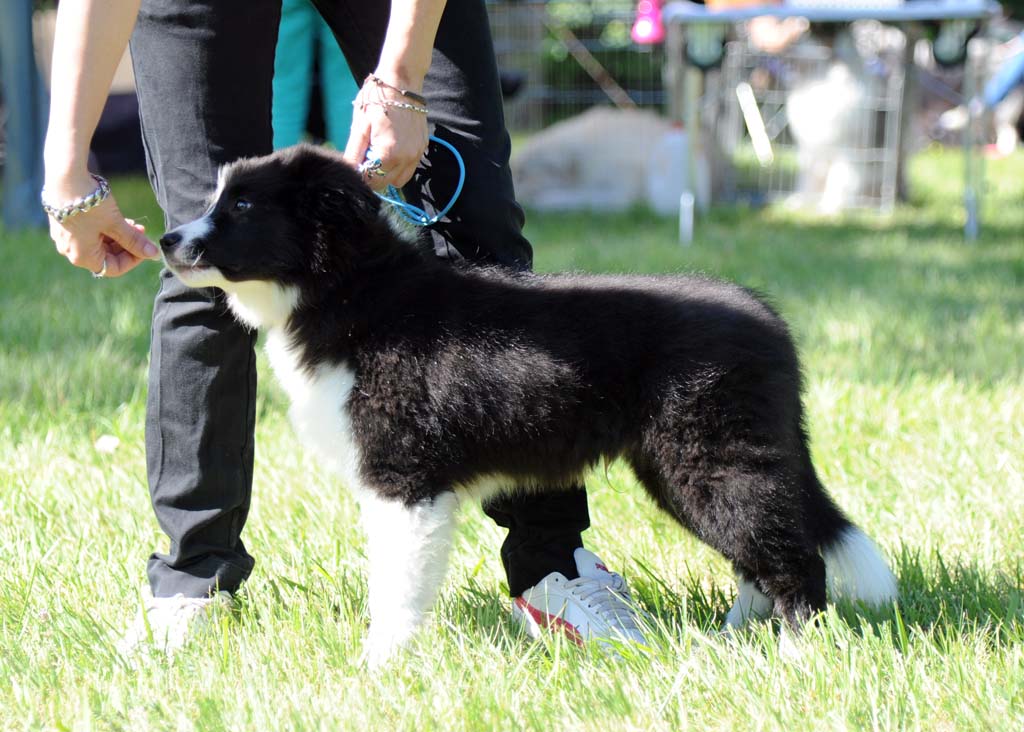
{"x": 409, "y": 42}
{"x": 90, "y": 40}
{"x": 1007, "y": 76}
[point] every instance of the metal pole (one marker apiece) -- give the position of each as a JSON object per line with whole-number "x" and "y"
{"x": 26, "y": 105}
{"x": 673, "y": 72}
{"x": 971, "y": 178}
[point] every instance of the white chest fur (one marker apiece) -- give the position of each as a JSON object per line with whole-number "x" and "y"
{"x": 319, "y": 407}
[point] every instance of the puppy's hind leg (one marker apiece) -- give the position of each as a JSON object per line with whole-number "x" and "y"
{"x": 408, "y": 546}
{"x": 756, "y": 520}
{"x": 745, "y": 508}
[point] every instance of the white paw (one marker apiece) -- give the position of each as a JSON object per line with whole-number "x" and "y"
{"x": 791, "y": 647}
{"x": 750, "y": 604}
{"x": 383, "y": 642}
{"x": 378, "y": 652}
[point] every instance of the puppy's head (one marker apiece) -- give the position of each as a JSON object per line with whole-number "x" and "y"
{"x": 274, "y": 225}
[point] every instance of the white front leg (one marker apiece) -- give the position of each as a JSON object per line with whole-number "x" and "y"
{"x": 408, "y": 547}
{"x": 750, "y": 603}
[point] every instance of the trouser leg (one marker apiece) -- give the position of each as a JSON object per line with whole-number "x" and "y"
{"x": 203, "y": 72}
{"x": 485, "y": 225}
{"x": 338, "y": 86}
{"x": 544, "y": 529}
{"x": 26, "y": 118}
{"x": 293, "y": 68}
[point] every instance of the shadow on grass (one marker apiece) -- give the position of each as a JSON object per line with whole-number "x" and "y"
{"x": 875, "y": 302}
{"x": 946, "y": 601}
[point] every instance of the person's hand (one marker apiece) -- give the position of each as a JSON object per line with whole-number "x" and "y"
{"x": 398, "y": 135}
{"x": 99, "y": 235}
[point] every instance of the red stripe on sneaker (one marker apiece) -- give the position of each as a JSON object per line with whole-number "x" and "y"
{"x": 546, "y": 620}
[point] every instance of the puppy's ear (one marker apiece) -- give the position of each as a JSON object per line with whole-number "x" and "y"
{"x": 334, "y": 189}
{"x": 347, "y": 203}
{"x": 341, "y": 210}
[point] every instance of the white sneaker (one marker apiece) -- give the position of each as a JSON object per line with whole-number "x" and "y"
{"x": 596, "y": 606}
{"x": 169, "y": 622}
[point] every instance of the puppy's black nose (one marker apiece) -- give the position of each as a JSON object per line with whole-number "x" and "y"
{"x": 170, "y": 240}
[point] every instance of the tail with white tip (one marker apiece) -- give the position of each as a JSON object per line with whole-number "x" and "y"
{"x": 856, "y": 570}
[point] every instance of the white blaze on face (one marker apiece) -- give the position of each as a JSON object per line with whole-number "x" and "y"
{"x": 188, "y": 272}
{"x": 195, "y": 230}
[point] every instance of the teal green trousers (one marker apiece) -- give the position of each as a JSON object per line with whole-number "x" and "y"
{"x": 303, "y": 35}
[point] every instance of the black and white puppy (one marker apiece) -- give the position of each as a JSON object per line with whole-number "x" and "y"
{"x": 421, "y": 383}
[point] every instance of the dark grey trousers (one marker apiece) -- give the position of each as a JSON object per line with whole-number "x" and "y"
{"x": 203, "y": 71}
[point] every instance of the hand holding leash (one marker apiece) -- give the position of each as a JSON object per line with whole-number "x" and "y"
{"x": 87, "y": 227}
{"x": 394, "y": 120}
{"x": 414, "y": 214}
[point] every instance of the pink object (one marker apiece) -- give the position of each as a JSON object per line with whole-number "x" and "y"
{"x": 648, "y": 29}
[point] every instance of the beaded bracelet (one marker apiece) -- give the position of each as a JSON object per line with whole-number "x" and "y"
{"x": 80, "y": 205}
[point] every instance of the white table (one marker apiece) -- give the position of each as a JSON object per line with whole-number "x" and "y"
{"x": 683, "y": 83}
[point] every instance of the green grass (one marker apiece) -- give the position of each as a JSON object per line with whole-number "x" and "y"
{"x": 913, "y": 344}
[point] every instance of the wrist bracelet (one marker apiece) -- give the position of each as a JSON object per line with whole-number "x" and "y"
{"x": 418, "y": 98}
{"x": 390, "y": 103}
{"x": 79, "y": 205}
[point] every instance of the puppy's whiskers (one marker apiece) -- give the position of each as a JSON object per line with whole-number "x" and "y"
{"x": 196, "y": 260}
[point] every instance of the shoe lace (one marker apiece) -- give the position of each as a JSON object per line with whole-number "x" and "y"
{"x": 609, "y": 599}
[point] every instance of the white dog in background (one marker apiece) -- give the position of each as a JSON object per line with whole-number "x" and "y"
{"x": 606, "y": 159}
{"x": 827, "y": 118}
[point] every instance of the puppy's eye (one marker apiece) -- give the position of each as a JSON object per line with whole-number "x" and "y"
{"x": 243, "y": 204}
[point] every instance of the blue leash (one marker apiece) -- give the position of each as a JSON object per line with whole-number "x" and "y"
{"x": 414, "y": 214}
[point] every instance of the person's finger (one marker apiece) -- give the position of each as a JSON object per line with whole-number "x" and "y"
{"x": 119, "y": 260}
{"x": 396, "y": 177}
{"x": 61, "y": 244}
{"x": 358, "y": 141}
{"x": 110, "y": 245}
{"x": 122, "y": 263}
{"x": 380, "y": 178}
{"x": 90, "y": 258}
{"x": 377, "y": 182}
{"x": 133, "y": 240}
{"x": 399, "y": 174}
{"x": 59, "y": 237}
{"x": 404, "y": 175}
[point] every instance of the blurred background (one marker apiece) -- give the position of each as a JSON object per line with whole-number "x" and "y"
{"x": 604, "y": 117}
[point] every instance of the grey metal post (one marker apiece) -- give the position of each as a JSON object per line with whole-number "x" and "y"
{"x": 26, "y": 104}
{"x": 974, "y": 164}
{"x": 909, "y": 97}
{"x": 673, "y": 71}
